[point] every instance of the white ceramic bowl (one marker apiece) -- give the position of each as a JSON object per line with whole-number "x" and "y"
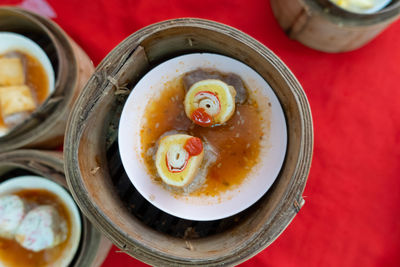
{"x": 35, "y": 182}
{"x": 378, "y": 5}
{"x": 201, "y": 208}
{"x": 12, "y": 41}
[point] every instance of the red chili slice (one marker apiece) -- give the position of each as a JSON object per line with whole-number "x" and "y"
{"x": 194, "y": 146}
{"x": 200, "y": 117}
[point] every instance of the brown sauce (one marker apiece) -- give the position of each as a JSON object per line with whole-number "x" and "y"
{"x": 35, "y": 77}
{"x": 14, "y": 255}
{"x": 237, "y": 141}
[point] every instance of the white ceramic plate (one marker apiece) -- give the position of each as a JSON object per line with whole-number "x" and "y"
{"x": 11, "y": 41}
{"x": 35, "y": 182}
{"x": 201, "y": 208}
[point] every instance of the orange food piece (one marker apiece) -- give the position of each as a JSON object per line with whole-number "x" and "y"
{"x": 194, "y": 146}
{"x": 201, "y": 117}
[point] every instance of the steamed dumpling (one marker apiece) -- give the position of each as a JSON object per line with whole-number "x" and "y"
{"x": 178, "y": 159}
{"x": 42, "y": 228}
{"x": 232, "y": 79}
{"x": 12, "y": 211}
{"x": 210, "y": 102}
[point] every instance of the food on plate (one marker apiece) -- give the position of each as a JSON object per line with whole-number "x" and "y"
{"x": 15, "y": 101}
{"x": 23, "y": 86}
{"x": 231, "y": 79}
{"x": 42, "y": 228}
{"x": 230, "y": 150}
{"x": 210, "y": 102}
{"x": 11, "y": 71}
{"x": 178, "y": 159}
{"x": 12, "y": 211}
{"x": 358, "y": 5}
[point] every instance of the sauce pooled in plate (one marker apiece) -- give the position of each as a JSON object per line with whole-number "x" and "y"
{"x": 232, "y": 148}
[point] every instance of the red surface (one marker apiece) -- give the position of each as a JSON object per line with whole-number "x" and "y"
{"x": 351, "y": 216}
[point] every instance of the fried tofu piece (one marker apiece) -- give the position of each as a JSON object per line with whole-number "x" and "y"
{"x": 15, "y": 99}
{"x": 11, "y": 71}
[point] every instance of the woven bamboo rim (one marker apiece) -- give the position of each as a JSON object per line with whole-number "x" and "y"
{"x": 45, "y": 127}
{"x": 49, "y": 164}
{"x": 91, "y": 128}
{"x": 322, "y": 25}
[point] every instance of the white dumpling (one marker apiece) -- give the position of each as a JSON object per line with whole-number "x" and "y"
{"x": 42, "y": 228}
{"x": 12, "y": 211}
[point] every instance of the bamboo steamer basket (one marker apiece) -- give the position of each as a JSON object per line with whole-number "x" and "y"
{"x": 324, "y": 26}
{"x": 46, "y": 126}
{"x": 103, "y": 191}
{"x": 93, "y": 247}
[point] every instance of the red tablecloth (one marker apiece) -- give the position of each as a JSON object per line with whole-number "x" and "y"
{"x": 351, "y": 216}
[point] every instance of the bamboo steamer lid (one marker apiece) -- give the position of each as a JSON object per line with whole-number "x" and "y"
{"x": 93, "y": 246}
{"x": 322, "y": 25}
{"x": 46, "y": 126}
{"x": 103, "y": 190}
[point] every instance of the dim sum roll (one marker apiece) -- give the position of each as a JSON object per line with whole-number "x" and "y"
{"x": 178, "y": 159}
{"x": 42, "y": 228}
{"x": 12, "y": 211}
{"x": 231, "y": 79}
{"x": 210, "y": 102}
